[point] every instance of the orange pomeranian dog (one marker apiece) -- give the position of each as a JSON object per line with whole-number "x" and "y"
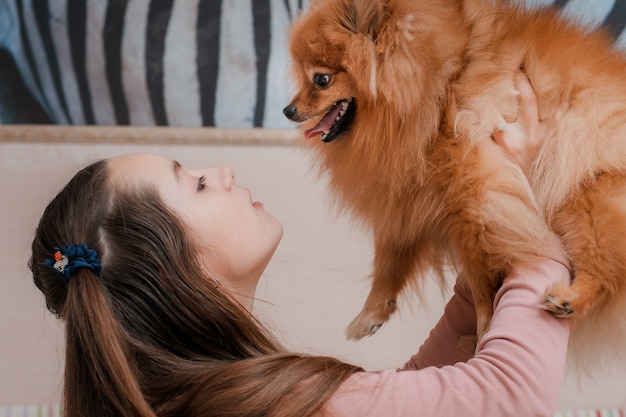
{"x": 399, "y": 98}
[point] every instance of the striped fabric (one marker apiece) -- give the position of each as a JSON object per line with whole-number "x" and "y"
{"x": 189, "y": 63}
{"x": 153, "y": 62}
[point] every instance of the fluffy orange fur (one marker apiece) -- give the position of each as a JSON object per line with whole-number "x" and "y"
{"x": 430, "y": 80}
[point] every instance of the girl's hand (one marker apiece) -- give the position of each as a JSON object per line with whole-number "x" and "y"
{"x": 521, "y": 139}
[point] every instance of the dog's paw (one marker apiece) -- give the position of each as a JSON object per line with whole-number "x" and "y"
{"x": 368, "y": 322}
{"x": 358, "y": 330}
{"x": 559, "y": 301}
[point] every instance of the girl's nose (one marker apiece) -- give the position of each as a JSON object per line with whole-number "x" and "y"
{"x": 227, "y": 177}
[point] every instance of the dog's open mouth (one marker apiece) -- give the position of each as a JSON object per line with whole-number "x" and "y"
{"x": 335, "y": 122}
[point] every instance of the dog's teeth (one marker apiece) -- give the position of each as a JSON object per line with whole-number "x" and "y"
{"x": 342, "y": 111}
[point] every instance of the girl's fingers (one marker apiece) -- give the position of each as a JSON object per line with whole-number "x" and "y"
{"x": 520, "y": 139}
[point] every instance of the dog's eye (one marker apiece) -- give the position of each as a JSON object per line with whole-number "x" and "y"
{"x": 321, "y": 80}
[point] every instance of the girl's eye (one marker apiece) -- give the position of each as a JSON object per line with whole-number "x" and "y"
{"x": 201, "y": 183}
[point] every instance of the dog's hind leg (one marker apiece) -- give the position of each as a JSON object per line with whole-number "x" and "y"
{"x": 593, "y": 227}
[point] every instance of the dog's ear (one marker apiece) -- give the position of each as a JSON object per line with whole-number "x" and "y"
{"x": 366, "y": 19}
{"x": 364, "y": 16}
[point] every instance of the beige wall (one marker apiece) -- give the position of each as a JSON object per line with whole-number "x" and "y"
{"x": 311, "y": 290}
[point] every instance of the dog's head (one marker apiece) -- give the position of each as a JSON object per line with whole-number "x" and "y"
{"x": 363, "y": 59}
{"x": 332, "y": 49}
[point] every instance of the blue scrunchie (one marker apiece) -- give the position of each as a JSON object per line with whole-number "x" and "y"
{"x": 70, "y": 258}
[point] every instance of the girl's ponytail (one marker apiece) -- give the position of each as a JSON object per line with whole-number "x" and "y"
{"x": 97, "y": 356}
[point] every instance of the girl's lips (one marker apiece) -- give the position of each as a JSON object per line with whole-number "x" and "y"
{"x": 256, "y": 204}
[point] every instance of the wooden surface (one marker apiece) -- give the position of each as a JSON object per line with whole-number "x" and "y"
{"x": 146, "y": 135}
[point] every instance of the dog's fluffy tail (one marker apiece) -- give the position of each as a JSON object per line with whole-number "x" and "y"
{"x": 598, "y": 343}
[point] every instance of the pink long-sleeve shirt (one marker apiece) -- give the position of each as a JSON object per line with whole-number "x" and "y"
{"x": 517, "y": 371}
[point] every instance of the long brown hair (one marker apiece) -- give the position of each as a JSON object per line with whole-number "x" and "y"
{"x": 153, "y": 335}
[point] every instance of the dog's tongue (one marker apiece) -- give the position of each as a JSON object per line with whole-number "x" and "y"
{"x": 324, "y": 124}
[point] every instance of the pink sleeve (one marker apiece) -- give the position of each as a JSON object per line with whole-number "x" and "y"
{"x": 442, "y": 345}
{"x": 517, "y": 371}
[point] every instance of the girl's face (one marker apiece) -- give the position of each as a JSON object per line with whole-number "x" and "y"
{"x": 236, "y": 236}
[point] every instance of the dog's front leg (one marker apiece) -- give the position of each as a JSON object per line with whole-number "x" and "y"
{"x": 393, "y": 266}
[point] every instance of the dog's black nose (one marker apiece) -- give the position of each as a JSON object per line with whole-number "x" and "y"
{"x": 290, "y": 111}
